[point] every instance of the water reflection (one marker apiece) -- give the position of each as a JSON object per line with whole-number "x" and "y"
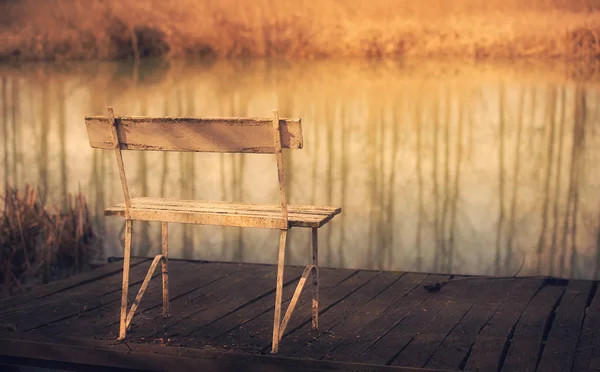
{"x": 477, "y": 170}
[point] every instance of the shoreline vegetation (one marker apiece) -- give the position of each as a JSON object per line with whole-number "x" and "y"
{"x": 32, "y": 30}
{"x": 42, "y": 242}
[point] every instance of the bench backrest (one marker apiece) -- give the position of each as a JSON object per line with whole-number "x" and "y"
{"x": 250, "y": 135}
{"x": 239, "y": 135}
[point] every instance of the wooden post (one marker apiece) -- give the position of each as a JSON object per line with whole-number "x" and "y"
{"x": 165, "y": 268}
{"x": 315, "y": 275}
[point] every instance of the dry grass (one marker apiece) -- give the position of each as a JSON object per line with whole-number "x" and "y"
{"x": 40, "y": 242}
{"x": 474, "y": 29}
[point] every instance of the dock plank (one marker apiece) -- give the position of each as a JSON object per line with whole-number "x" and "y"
{"x": 339, "y": 328}
{"x": 8, "y": 304}
{"x": 360, "y": 347}
{"x": 210, "y": 334}
{"x": 205, "y": 307}
{"x": 526, "y": 343}
{"x": 489, "y": 346}
{"x": 342, "y": 311}
{"x": 134, "y": 356}
{"x": 79, "y": 299}
{"x": 587, "y": 354}
{"x": 255, "y": 335}
{"x": 200, "y": 300}
{"x": 303, "y": 312}
{"x": 181, "y": 280}
{"x": 430, "y": 335}
{"x": 561, "y": 345}
{"x": 453, "y": 350}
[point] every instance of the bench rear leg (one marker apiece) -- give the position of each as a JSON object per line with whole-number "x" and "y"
{"x": 125, "y": 288}
{"x": 165, "y": 268}
{"x": 315, "y": 277}
{"x": 278, "y": 292}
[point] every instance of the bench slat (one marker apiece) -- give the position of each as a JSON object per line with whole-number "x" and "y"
{"x": 223, "y": 213}
{"x": 238, "y": 135}
{"x": 223, "y": 205}
{"x": 267, "y": 213}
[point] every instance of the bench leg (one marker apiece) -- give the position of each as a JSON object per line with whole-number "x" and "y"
{"x": 278, "y": 291}
{"x": 127, "y": 316}
{"x": 279, "y": 325}
{"x": 315, "y": 277}
{"x": 165, "y": 269}
{"x": 125, "y": 288}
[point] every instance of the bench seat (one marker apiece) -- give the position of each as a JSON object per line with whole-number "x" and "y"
{"x": 223, "y": 213}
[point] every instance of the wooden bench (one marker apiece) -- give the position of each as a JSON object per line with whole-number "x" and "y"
{"x": 225, "y": 135}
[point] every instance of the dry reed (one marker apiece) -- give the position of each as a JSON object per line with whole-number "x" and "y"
{"x": 41, "y": 242}
{"x": 472, "y": 29}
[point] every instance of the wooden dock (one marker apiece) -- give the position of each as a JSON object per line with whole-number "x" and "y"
{"x": 222, "y": 319}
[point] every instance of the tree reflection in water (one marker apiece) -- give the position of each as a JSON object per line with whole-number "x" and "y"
{"x": 472, "y": 171}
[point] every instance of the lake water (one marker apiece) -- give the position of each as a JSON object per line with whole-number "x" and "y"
{"x": 439, "y": 167}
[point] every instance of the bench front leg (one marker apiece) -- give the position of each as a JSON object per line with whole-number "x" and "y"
{"x": 125, "y": 288}
{"x": 278, "y": 291}
{"x": 127, "y": 316}
{"x": 279, "y": 325}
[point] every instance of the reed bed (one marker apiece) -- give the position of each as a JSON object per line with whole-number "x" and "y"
{"x": 41, "y": 242}
{"x": 469, "y": 29}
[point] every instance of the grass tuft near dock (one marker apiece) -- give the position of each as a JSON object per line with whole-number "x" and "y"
{"x": 39, "y": 241}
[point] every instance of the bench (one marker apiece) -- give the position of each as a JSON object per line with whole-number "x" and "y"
{"x": 225, "y": 135}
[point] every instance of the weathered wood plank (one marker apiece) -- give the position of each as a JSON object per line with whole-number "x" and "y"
{"x": 430, "y": 335}
{"x": 183, "y": 205}
{"x": 225, "y": 214}
{"x": 364, "y": 347}
{"x": 303, "y": 312}
{"x": 219, "y": 204}
{"x": 79, "y": 292}
{"x": 401, "y": 333}
{"x": 6, "y": 304}
{"x": 80, "y": 305}
{"x": 220, "y": 295}
{"x": 153, "y": 357}
{"x": 184, "y": 280}
{"x": 341, "y": 310}
{"x": 587, "y": 356}
{"x": 526, "y": 342}
{"x": 77, "y": 300}
{"x": 561, "y": 345}
{"x": 454, "y": 349}
{"x": 209, "y": 334}
{"x": 254, "y": 336}
{"x": 201, "y": 308}
{"x": 249, "y": 135}
{"x": 304, "y": 343}
{"x": 489, "y": 346}
{"x": 215, "y": 219}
